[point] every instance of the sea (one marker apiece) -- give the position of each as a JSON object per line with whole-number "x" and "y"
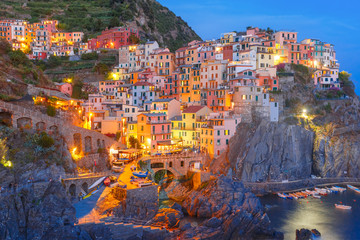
{"x": 334, "y": 224}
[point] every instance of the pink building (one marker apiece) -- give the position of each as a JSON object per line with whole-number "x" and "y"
{"x": 65, "y": 88}
{"x": 113, "y": 38}
{"x": 206, "y": 53}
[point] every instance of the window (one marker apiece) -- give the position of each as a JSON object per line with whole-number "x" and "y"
{"x": 218, "y": 142}
{"x": 182, "y": 164}
{"x": 218, "y": 132}
{"x": 226, "y": 132}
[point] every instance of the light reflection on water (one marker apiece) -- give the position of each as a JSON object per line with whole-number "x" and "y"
{"x": 288, "y": 215}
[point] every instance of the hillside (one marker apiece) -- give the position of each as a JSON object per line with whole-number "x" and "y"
{"x": 16, "y": 70}
{"x": 155, "y": 21}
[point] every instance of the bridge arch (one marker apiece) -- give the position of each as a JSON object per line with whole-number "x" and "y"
{"x": 161, "y": 174}
{"x": 24, "y": 122}
{"x": 41, "y": 126}
{"x": 85, "y": 187}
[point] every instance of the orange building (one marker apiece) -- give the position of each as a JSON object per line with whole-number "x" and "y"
{"x": 166, "y": 63}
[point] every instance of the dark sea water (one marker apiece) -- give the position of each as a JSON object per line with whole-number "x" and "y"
{"x": 288, "y": 215}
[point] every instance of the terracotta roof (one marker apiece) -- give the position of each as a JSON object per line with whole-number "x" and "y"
{"x": 193, "y": 109}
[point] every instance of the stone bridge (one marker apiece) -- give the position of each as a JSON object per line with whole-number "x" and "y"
{"x": 83, "y": 139}
{"x": 75, "y": 186}
{"x": 177, "y": 164}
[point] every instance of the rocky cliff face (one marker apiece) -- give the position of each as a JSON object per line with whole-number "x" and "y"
{"x": 270, "y": 151}
{"x": 325, "y": 146}
{"x": 337, "y": 156}
{"x": 24, "y": 216}
{"x": 231, "y": 212}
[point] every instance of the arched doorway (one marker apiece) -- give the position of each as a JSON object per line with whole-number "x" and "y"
{"x": 40, "y": 126}
{"x": 6, "y": 118}
{"x": 54, "y": 129}
{"x": 77, "y": 142}
{"x": 72, "y": 190}
{"x": 88, "y": 147}
{"x": 24, "y": 122}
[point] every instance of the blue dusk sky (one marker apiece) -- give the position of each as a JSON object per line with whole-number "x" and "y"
{"x": 332, "y": 21}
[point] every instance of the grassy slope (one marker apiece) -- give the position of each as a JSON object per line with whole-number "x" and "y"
{"x": 92, "y": 16}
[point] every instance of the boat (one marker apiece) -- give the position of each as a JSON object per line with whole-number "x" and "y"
{"x": 321, "y": 191}
{"x": 287, "y": 196}
{"x": 97, "y": 183}
{"x": 140, "y": 174}
{"x": 293, "y": 196}
{"x": 354, "y": 188}
{"x": 341, "y": 189}
{"x": 342, "y": 206}
{"x": 281, "y": 195}
{"x": 316, "y": 196}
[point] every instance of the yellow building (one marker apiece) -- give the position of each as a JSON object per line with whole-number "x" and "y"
{"x": 186, "y": 128}
{"x": 265, "y": 56}
{"x": 189, "y": 85}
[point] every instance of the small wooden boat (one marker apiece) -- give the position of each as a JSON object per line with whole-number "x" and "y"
{"x": 140, "y": 174}
{"x": 342, "y": 206}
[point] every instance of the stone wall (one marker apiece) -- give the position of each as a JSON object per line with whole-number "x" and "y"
{"x": 22, "y": 117}
{"x": 198, "y": 178}
{"x": 140, "y": 203}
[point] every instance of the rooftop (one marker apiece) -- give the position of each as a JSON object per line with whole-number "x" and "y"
{"x": 193, "y": 109}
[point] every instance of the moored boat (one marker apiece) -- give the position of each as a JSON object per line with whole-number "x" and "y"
{"x": 354, "y": 188}
{"x": 140, "y": 174}
{"x": 281, "y": 195}
{"x": 316, "y": 196}
{"x": 342, "y": 206}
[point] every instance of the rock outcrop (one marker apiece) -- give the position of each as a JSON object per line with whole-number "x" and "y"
{"x": 24, "y": 216}
{"x": 337, "y": 156}
{"x": 231, "y": 211}
{"x": 170, "y": 217}
{"x": 270, "y": 151}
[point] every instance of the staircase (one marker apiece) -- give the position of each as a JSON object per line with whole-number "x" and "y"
{"x": 126, "y": 229}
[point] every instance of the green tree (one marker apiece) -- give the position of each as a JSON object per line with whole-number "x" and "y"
{"x": 134, "y": 39}
{"x": 114, "y": 22}
{"x": 51, "y": 111}
{"x": 134, "y": 142}
{"x": 348, "y": 85}
{"x": 3, "y": 153}
{"x": 45, "y": 140}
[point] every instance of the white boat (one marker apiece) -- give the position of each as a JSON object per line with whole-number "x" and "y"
{"x": 316, "y": 196}
{"x": 340, "y": 189}
{"x": 98, "y": 182}
{"x": 342, "y": 206}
